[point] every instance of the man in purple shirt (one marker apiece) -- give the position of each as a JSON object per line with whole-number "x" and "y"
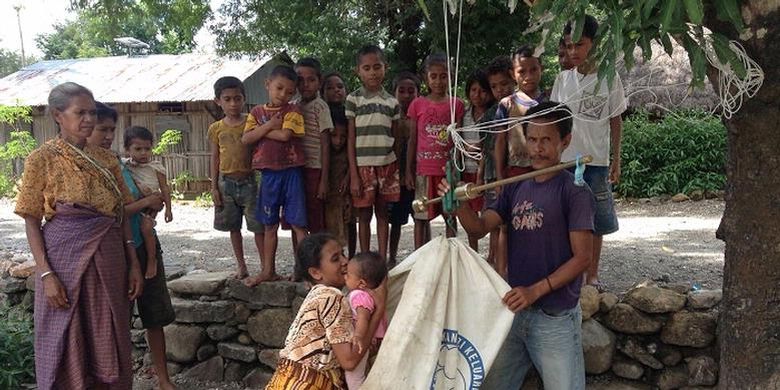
{"x": 550, "y": 226}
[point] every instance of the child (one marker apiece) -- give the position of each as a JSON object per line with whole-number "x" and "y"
{"x": 233, "y": 183}
{"x": 319, "y": 342}
{"x": 316, "y": 142}
{"x": 480, "y": 98}
{"x": 597, "y": 130}
{"x": 150, "y": 178}
{"x": 563, "y": 56}
{"x": 429, "y": 143}
{"x": 511, "y": 154}
{"x": 276, "y": 130}
{"x": 374, "y": 178}
{"x": 406, "y": 87}
{"x": 366, "y": 271}
{"x": 337, "y": 206}
{"x": 334, "y": 91}
{"x": 499, "y": 73}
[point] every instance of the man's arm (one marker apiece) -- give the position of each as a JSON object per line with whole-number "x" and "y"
{"x": 615, "y": 136}
{"x": 475, "y": 225}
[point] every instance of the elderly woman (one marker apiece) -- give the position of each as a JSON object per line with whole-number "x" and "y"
{"x": 86, "y": 264}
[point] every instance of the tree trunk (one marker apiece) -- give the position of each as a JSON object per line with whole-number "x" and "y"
{"x": 749, "y": 326}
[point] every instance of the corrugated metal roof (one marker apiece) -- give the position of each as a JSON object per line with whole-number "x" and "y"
{"x": 152, "y": 78}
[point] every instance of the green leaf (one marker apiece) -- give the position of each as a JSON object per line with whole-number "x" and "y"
{"x": 695, "y": 10}
{"x": 667, "y": 42}
{"x": 726, "y": 55}
{"x": 424, "y": 9}
{"x": 666, "y": 15}
{"x": 579, "y": 25}
{"x": 648, "y": 7}
{"x": 728, "y": 10}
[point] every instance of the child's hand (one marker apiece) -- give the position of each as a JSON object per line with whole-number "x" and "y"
{"x": 216, "y": 197}
{"x": 322, "y": 189}
{"x": 409, "y": 179}
{"x": 344, "y": 185}
{"x": 357, "y": 344}
{"x": 356, "y": 187}
{"x": 275, "y": 122}
{"x": 151, "y": 272}
{"x": 168, "y": 215}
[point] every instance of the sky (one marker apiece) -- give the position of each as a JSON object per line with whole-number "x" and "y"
{"x": 38, "y": 16}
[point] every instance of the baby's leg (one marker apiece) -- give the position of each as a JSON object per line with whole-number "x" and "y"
{"x": 150, "y": 243}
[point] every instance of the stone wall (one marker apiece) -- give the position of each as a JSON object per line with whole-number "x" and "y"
{"x": 654, "y": 337}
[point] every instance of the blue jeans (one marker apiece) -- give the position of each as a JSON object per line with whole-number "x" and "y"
{"x": 551, "y": 342}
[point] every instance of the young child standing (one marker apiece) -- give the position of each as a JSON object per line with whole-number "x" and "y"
{"x": 480, "y": 98}
{"x": 276, "y": 130}
{"x": 429, "y": 143}
{"x": 233, "y": 183}
{"x": 374, "y": 178}
{"x": 338, "y": 214}
{"x": 598, "y": 127}
{"x": 149, "y": 176}
{"x": 406, "y": 87}
{"x": 365, "y": 271}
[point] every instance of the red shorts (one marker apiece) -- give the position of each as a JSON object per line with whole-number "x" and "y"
{"x": 475, "y": 204}
{"x": 377, "y": 181}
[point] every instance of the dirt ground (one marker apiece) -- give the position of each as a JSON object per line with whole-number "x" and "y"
{"x": 667, "y": 242}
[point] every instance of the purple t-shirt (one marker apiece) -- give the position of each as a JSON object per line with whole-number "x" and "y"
{"x": 539, "y": 217}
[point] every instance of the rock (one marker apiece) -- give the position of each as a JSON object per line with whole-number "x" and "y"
{"x": 296, "y": 304}
{"x": 702, "y": 370}
{"x": 182, "y": 342}
{"x": 704, "y": 299}
{"x": 241, "y": 313}
{"x": 211, "y": 370}
{"x": 269, "y": 327}
{"x": 208, "y": 298}
{"x": 279, "y": 294}
{"x": 24, "y": 270}
{"x": 12, "y": 285}
{"x": 5, "y": 266}
{"x": 244, "y": 339}
{"x": 607, "y": 301}
{"x": 680, "y": 288}
{"x": 696, "y": 195}
{"x": 174, "y": 368}
{"x": 28, "y": 300}
{"x": 624, "y": 318}
{"x": 237, "y": 351}
{"x": 598, "y": 345}
{"x": 269, "y": 357}
{"x": 668, "y": 355}
{"x": 634, "y": 350}
{"x": 137, "y": 323}
{"x": 29, "y": 284}
{"x": 12, "y": 299}
{"x": 257, "y": 378}
{"x": 235, "y": 372}
{"x": 173, "y": 272}
{"x": 654, "y": 299}
{"x": 672, "y": 378}
{"x": 219, "y": 332}
{"x": 690, "y": 329}
{"x": 197, "y": 311}
{"x": 628, "y": 369}
{"x": 302, "y": 289}
{"x": 589, "y": 301}
{"x": 206, "y": 351}
{"x": 138, "y": 337}
{"x": 680, "y": 198}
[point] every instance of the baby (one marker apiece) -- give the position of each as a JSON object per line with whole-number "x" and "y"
{"x": 365, "y": 271}
{"x": 150, "y": 178}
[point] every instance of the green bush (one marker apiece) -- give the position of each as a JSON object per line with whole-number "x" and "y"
{"x": 17, "y": 353}
{"x": 683, "y": 152}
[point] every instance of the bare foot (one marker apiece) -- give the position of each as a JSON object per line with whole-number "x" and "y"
{"x": 167, "y": 385}
{"x": 260, "y": 278}
{"x": 241, "y": 273}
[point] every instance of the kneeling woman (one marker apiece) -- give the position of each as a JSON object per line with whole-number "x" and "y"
{"x": 318, "y": 347}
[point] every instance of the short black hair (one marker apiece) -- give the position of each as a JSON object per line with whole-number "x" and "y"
{"x": 283, "y": 71}
{"x": 589, "y": 30}
{"x": 137, "y": 132}
{"x": 329, "y": 75}
{"x": 524, "y": 52}
{"x": 309, "y": 254}
{"x": 436, "y": 59}
{"x": 558, "y": 112}
{"x": 500, "y": 64}
{"x": 310, "y": 62}
{"x": 372, "y": 268}
{"x": 370, "y": 49}
{"x": 480, "y": 77}
{"x": 406, "y": 75}
{"x": 228, "y": 82}
{"x": 104, "y": 111}
{"x": 338, "y": 115}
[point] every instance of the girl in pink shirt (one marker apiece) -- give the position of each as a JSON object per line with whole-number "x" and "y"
{"x": 365, "y": 271}
{"x": 430, "y": 146}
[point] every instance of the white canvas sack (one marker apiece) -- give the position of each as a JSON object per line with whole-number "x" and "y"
{"x": 447, "y": 321}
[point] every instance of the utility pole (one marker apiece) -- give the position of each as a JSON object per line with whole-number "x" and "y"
{"x": 18, "y": 8}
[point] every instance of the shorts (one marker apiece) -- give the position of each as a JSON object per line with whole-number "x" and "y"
{"x": 315, "y": 208}
{"x": 401, "y": 210}
{"x": 282, "y": 190}
{"x": 477, "y": 203}
{"x": 381, "y": 181}
{"x": 154, "y": 304}
{"x": 239, "y": 198}
{"x": 426, "y": 186}
{"x": 605, "y": 221}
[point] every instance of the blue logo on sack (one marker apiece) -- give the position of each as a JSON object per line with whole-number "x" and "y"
{"x": 460, "y": 365}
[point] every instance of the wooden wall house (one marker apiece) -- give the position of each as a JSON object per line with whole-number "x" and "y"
{"x": 158, "y": 92}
